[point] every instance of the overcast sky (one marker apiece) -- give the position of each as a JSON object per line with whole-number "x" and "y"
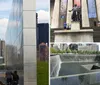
{"x": 42, "y": 8}
{"x": 5, "y": 8}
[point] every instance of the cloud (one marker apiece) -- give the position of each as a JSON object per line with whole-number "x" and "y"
{"x": 3, "y": 22}
{"x": 5, "y": 5}
{"x": 43, "y": 16}
{"x": 5, "y": 8}
{"x": 42, "y": 4}
{"x": 3, "y": 27}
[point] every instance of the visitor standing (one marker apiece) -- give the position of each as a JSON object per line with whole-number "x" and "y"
{"x": 65, "y": 25}
{"x": 9, "y": 77}
{"x": 15, "y": 78}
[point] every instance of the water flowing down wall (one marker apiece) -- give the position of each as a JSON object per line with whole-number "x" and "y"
{"x": 78, "y": 58}
{"x": 55, "y": 64}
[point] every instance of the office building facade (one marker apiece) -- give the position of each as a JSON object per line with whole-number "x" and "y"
{"x": 2, "y": 48}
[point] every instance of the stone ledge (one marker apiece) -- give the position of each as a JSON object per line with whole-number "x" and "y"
{"x": 77, "y": 31}
{"x": 75, "y": 26}
{"x": 73, "y": 36}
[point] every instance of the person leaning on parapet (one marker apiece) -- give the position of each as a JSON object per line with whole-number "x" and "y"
{"x": 15, "y": 78}
{"x": 75, "y": 12}
{"x": 8, "y": 77}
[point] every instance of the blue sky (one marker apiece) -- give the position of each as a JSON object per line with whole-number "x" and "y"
{"x": 42, "y": 7}
{"x": 5, "y": 8}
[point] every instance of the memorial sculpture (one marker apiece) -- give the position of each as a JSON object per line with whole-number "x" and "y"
{"x": 78, "y": 17}
{"x": 76, "y": 13}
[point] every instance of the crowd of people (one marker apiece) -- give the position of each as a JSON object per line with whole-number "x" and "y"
{"x": 67, "y": 26}
{"x": 12, "y": 78}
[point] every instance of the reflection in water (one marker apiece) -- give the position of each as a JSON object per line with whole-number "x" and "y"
{"x": 66, "y": 81}
{"x": 98, "y": 77}
{"x": 90, "y": 79}
{"x": 81, "y": 78}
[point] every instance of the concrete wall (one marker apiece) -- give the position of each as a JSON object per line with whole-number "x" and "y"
{"x": 85, "y": 18}
{"x": 29, "y": 42}
{"x": 98, "y": 9}
{"x": 63, "y": 36}
{"x": 56, "y": 14}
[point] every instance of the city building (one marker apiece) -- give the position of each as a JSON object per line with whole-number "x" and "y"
{"x": 89, "y": 47}
{"x": 43, "y": 52}
{"x": 21, "y": 40}
{"x": 2, "y": 48}
{"x": 86, "y": 29}
{"x": 2, "y": 51}
{"x": 42, "y": 33}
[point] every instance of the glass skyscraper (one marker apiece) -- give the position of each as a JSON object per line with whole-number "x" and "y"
{"x": 21, "y": 40}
